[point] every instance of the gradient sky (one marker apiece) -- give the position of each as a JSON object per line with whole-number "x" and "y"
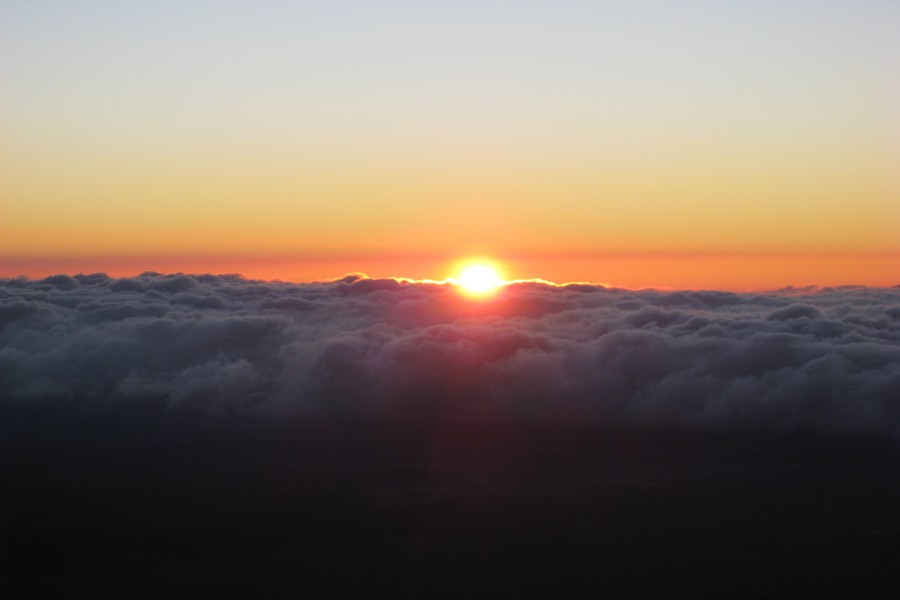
{"x": 643, "y": 143}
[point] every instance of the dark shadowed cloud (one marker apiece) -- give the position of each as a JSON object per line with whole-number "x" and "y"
{"x": 825, "y": 361}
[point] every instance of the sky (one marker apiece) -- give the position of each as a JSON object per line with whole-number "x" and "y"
{"x": 739, "y": 145}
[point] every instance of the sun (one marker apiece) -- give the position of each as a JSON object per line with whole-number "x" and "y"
{"x": 479, "y": 279}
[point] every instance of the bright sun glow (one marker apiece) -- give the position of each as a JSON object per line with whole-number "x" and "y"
{"x": 479, "y": 279}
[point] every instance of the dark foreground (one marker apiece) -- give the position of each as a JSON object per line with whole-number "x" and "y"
{"x": 455, "y": 511}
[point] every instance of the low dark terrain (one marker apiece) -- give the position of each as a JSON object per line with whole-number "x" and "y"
{"x": 503, "y": 510}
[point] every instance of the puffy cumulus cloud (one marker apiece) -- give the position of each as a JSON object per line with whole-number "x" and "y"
{"x": 823, "y": 360}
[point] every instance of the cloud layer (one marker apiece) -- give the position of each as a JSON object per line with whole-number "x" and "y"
{"x": 825, "y": 360}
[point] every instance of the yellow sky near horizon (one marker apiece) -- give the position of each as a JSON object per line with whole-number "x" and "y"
{"x": 231, "y": 134}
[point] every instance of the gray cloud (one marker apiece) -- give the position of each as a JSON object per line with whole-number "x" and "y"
{"x": 825, "y": 361}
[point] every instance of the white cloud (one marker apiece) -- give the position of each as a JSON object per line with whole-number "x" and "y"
{"x": 826, "y": 361}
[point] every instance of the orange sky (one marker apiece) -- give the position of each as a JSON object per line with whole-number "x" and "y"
{"x": 706, "y": 271}
{"x": 644, "y": 148}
